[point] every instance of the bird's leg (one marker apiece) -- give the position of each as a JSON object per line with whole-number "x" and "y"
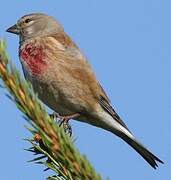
{"x": 64, "y": 120}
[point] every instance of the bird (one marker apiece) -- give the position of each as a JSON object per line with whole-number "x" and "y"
{"x": 65, "y": 81}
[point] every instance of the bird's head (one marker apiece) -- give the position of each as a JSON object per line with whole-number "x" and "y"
{"x": 35, "y": 25}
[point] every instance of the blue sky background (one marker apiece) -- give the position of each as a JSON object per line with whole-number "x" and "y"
{"x": 129, "y": 46}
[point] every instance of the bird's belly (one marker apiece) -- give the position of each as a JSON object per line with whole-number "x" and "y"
{"x": 52, "y": 98}
{"x": 48, "y": 94}
{"x": 63, "y": 94}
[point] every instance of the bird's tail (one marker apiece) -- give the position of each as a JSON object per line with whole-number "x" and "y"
{"x": 121, "y": 130}
{"x": 144, "y": 152}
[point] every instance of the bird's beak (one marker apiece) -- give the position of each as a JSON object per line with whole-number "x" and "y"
{"x": 13, "y": 29}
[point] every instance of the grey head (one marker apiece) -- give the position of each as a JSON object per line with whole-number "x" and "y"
{"x": 35, "y": 25}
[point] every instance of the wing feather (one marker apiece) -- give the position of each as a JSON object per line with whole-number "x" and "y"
{"x": 65, "y": 44}
{"x": 105, "y": 103}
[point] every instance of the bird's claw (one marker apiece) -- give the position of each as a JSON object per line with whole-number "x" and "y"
{"x": 55, "y": 117}
{"x": 66, "y": 125}
{"x": 62, "y": 120}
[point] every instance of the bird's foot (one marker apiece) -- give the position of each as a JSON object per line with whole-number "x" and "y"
{"x": 66, "y": 125}
{"x": 64, "y": 120}
{"x": 55, "y": 116}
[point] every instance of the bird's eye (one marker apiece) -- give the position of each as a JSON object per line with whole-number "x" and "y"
{"x": 27, "y": 20}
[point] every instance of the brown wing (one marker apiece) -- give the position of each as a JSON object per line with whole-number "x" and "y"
{"x": 85, "y": 74}
{"x": 104, "y": 94}
{"x": 105, "y": 103}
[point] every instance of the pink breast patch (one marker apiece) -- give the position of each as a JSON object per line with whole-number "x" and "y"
{"x": 34, "y": 56}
